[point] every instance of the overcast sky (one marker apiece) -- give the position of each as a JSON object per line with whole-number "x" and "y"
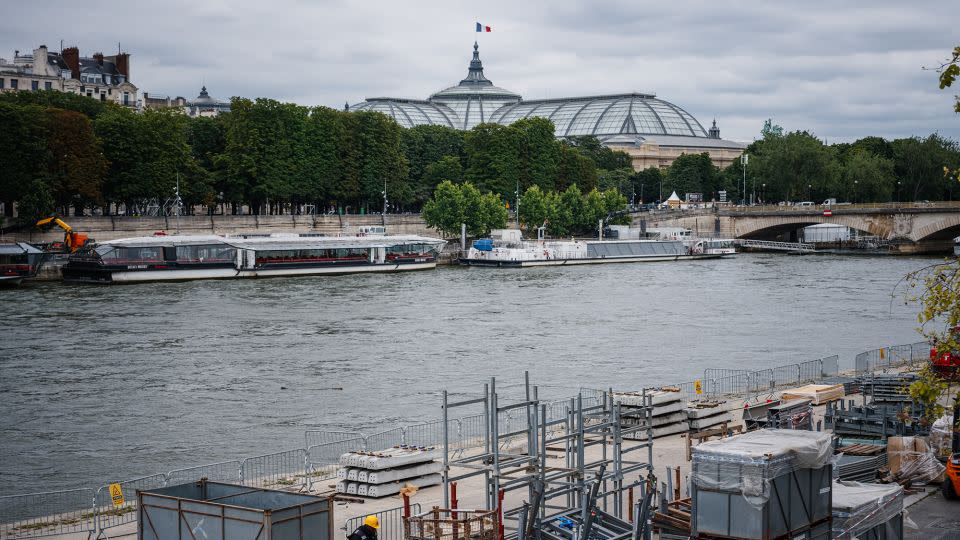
{"x": 837, "y": 70}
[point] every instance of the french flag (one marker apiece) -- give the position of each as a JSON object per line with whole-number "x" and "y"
{"x": 482, "y": 28}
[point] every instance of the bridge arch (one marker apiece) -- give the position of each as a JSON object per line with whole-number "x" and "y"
{"x": 945, "y": 228}
{"x": 759, "y": 227}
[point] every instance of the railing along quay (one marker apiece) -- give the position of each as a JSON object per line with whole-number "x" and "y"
{"x": 92, "y": 511}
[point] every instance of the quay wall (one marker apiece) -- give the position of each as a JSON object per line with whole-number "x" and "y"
{"x": 112, "y": 227}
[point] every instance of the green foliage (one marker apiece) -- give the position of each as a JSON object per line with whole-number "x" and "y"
{"x": 926, "y": 392}
{"x": 76, "y": 165}
{"x": 36, "y": 204}
{"x": 453, "y": 204}
{"x": 949, "y": 71}
{"x": 570, "y": 211}
{"x": 868, "y": 177}
{"x": 648, "y": 182}
{"x": 692, "y": 173}
{"x": 58, "y": 100}
{"x": 445, "y": 168}
{"x": 602, "y": 156}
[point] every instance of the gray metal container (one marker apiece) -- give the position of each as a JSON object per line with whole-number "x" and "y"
{"x": 763, "y": 485}
{"x": 798, "y": 500}
{"x": 867, "y": 511}
{"x": 207, "y": 509}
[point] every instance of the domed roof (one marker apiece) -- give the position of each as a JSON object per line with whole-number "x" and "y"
{"x": 628, "y": 114}
{"x": 204, "y": 98}
{"x": 411, "y": 112}
{"x": 475, "y": 84}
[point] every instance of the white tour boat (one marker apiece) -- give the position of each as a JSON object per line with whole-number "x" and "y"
{"x": 167, "y": 258}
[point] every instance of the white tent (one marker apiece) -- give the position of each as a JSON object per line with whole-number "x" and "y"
{"x": 674, "y": 200}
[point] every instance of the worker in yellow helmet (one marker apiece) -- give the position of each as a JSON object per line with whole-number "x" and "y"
{"x": 367, "y": 531}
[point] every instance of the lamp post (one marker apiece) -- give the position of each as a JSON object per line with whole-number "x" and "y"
{"x": 856, "y": 191}
{"x": 763, "y": 193}
{"x": 809, "y": 192}
{"x": 898, "y": 191}
{"x": 744, "y": 158}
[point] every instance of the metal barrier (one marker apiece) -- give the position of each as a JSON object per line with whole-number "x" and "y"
{"x": 391, "y": 522}
{"x": 384, "y": 439}
{"x": 113, "y": 515}
{"x": 322, "y": 459}
{"x": 430, "y": 433}
{"x": 317, "y": 437}
{"x": 47, "y": 514}
{"x": 281, "y": 470}
{"x": 224, "y": 471}
{"x": 891, "y": 357}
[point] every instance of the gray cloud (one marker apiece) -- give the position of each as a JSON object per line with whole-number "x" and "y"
{"x": 841, "y": 71}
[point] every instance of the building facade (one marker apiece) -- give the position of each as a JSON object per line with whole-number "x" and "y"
{"x": 652, "y": 131}
{"x": 106, "y": 78}
{"x": 202, "y": 105}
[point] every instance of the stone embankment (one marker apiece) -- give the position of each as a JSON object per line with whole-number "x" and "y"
{"x": 103, "y": 228}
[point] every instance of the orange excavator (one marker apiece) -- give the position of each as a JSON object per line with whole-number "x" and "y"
{"x": 72, "y": 240}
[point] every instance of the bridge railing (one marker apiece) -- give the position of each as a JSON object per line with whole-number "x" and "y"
{"x": 819, "y": 208}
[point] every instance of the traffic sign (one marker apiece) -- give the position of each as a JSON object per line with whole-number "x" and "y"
{"x": 828, "y": 212}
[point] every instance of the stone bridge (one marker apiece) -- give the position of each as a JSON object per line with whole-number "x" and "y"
{"x": 911, "y": 227}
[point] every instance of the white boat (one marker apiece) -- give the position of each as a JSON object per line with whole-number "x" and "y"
{"x": 507, "y": 248}
{"x": 171, "y": 258}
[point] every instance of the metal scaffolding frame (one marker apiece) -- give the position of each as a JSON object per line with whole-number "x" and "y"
{"x": 554, "y": 430}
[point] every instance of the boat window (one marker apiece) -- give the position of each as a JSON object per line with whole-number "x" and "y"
{"x": 205, "y": 254}
{"x": 133, "y": 255}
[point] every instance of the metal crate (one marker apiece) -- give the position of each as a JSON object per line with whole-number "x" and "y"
{"x": 207, "y": 509}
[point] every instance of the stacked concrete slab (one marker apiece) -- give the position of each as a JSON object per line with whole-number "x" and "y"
{"x": 384, "y": 472}
{"x": 707, "y": 414}
{"x": 666, "y": 418}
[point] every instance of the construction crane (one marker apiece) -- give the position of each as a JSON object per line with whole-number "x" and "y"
{"x": 72, "y": 240}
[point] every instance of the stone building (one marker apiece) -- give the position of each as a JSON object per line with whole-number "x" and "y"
{"x": 652, "y": 131}
{"x": 106, "y": 78}
{"x": 205, "y": 105}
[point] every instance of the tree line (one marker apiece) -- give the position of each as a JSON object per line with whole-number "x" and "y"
{"x": 75, "y": 153}
{"x": 266, "y": 157}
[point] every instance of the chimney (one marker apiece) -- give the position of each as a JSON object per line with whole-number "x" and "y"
{"x": 99, "y": 58}
{"x": 123, "y": 65}
{"x": 40, "y": 65}
{"x": 71, "y": 55}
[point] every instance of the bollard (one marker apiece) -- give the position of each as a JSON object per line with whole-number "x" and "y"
{"x": 453, "y": 508}
{"x": 500, "y": 513}
{"x": 406, "y": 516}
{"x": 630, "y": 505}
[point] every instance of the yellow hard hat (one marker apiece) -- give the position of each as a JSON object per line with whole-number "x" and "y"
{"x": 372, "y": 521}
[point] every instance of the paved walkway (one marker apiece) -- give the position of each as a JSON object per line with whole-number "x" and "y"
{"x": 936, "y": 519}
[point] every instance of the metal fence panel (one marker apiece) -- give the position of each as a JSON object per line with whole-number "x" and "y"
{"x": 322, "y": 459}
{"x": 47, "y": 514}
{"x": 281, "y": 470}
{"x": 430, "y": 433}
{"x": 224, "y": 471}
{"x": 391, "y": 522}
{"x": 384, "y": 439}
{"x": 810, "y": 371}
{"x": 789, "y": 374}
{"x": 110, "y": 515}
{"x": 830, "y": 366}
{"x": 318, "y": 437}
{"x": 919, "y": 352}
{"x": 472, "y": 431}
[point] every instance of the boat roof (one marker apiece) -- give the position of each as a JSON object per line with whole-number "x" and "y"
{"x": 18, "y": 248}
{"x": 273, "y": 241}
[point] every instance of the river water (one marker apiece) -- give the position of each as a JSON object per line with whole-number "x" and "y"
{"x": 100, "y": 384}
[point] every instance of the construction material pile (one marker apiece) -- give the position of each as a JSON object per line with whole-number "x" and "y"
{"x": 382, "y": 473}
{"x": 875, "y": 420}
{"x": 666, "y": 417}
{"x": 860, "y": 468}
{"x": 763, "y": 484}
{"x": 779, "y": 414}
{"x": 867, "y": 511}
{"x": 888, "y": 387}
{"x": 817, "y": 394}
{"x": 941, "y": 437}
{"x": 703, "y": 414}
{"x": 911, "y": 461}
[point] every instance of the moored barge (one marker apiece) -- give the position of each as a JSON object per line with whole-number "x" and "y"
{"x": 174, "y": 258}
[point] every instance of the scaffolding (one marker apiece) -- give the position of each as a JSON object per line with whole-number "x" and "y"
{"x": 571, "y": 492}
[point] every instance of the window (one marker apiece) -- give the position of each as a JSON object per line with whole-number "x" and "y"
{"x": 14, "y": 83}
{"x": 1, "y": 82}
{"x": 103, "y": 97}
{"x": 126, "y": 98}
{"x": 48, "y": 85}
{"x": 34, "y": 85}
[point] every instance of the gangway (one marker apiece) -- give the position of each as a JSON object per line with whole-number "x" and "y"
{"x": 769, "y": 245}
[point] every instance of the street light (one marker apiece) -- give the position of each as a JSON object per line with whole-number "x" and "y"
{"x": 898, "y": 191}
{"x": 856, "y": 191}
{"x": 744, "y": 159}
{"x": 809, "y": 191}
{"x": 763, "y": 194}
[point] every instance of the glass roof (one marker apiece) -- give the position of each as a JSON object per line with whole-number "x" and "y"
{"x": 476, "y": 100}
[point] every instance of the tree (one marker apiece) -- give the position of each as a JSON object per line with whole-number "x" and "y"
{"x": 692, "y": 173}
{"x": 949, "y": 71}
{"x": 868, "y": 178}
{"x": 602, "y": 156}
{"x": 58, "y": 100}
{"x": 648, "y": 183}
{"x": 493, "y": 160}
{"x": 424, "y": 146}
{"x": 575, "y": 169}
{"x": 620, "y": 180}
{"x": 445, "y": 168}
{"x": 789, "y": 163}
{"x": 536, "y": 208}
{"x": 24, "y": 140}
{"x": 76, "y": 166}
{"x": 36, "y": 203}
{"x": 445, "y": 210}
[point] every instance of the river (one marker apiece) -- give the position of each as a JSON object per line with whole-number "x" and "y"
{"x": 101, "y": 384}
